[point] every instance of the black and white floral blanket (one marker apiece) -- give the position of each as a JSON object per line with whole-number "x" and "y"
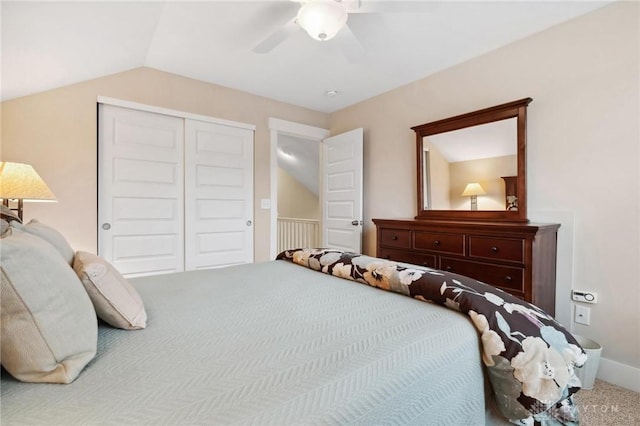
{"x": 529, "y": 356}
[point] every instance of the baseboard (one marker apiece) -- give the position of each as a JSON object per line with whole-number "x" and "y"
{"x": 619, "y": 374}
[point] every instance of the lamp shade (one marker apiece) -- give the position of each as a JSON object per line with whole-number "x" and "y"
{"x": 322, "y": 19}
{"x": 20, "y": 181}
{"x": 473, "y": 189}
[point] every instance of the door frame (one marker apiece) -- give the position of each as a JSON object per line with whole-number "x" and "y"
{"x": 175, "y": 113}
{"x": 277, "y": 127}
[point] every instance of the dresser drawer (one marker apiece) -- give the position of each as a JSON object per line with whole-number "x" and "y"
{"x": 441, "y": 242}
{"x": 395, "y": 237}
{"x": 505, "y": 277}
{"x": 507, "y": 249}
{"x": 408, "y": 257}
{"x": 519, "y": 258}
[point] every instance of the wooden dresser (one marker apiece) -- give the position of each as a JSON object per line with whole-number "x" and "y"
{"x": 519, "y": 258}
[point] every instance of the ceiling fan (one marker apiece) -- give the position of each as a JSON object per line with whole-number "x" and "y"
{"x": 323, "y": 19}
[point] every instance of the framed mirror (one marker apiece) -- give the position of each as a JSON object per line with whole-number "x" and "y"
{"x": 473, "y": 166}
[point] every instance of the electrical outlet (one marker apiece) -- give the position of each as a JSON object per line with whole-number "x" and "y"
{"x": 582, "y": 315}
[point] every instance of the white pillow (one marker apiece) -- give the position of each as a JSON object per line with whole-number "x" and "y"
{"x": 49, "y": 326}
{"x": 115, "y": 300}
{"x": 50, "y": 235}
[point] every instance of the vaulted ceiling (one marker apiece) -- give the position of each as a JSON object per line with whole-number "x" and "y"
{"x": 52, "y": 44}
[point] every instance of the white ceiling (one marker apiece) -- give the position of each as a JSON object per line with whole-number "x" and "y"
{"x": 496, "y": 139}
{"x": 52, "y": 44}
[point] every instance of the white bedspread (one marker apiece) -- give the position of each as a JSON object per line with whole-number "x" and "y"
{"x": 269, "y": 343}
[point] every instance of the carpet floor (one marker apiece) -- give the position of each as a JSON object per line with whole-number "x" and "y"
{"x": 608, "y": 404}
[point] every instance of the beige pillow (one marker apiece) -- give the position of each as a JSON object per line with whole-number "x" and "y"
{"x": 49, "y": 327}
{"x": 115, "y": 300}
{"x": 50, "y": 235}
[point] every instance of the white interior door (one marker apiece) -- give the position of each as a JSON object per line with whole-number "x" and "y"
{"x": 342, "y": 191}
{"x": 218, "y": 195}
{"x": 140, "y": 187}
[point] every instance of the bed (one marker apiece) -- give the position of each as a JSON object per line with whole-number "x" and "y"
{"x": 283, "y": 343}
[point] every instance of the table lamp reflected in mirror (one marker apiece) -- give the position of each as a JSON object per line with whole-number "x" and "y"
{"x": 473, "y": 190}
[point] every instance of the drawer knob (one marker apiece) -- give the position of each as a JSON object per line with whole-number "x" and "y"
{"x": 508, "y": 279}
{"x": 394, "y": 238}
{"x": 494, "y": 249}
{"x": 387, "y": 257}
{"x": 448, "y": 268}
{"x": 436, "y": 242}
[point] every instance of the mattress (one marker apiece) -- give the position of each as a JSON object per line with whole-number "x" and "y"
{"x": 269, "y": 343}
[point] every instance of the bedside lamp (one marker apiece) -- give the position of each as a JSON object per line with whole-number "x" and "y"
{"x": 20, "y": 182}
{"x": 473, "y": 190}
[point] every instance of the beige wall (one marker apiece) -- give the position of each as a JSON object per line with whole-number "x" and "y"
{"x": 295, "y": 200}
{"x": 583, "y": 157}
{"x": 55, "y": 131}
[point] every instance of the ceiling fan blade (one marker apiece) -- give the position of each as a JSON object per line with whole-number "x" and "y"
{"x": 277, "y": 37}
{"x": 371, "y": 31}
{"x": 391, "y": 6}
{"x": 353, "y": 51}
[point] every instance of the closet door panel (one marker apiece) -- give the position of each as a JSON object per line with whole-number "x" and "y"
{"x": 218, "y": 195}
{"x": 140, "y": 187}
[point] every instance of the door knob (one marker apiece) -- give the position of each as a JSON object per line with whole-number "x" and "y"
{"x": 106, "y": 226}
{"x": 249, "y": 223}
{"x": 356, "y": 222}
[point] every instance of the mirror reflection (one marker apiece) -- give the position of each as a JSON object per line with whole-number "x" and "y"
{"x": 486, "y": 148}
{"x": 474, "y": 168}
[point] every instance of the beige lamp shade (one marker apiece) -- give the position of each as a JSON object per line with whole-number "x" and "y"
{"x": 20, "y": 181}
{"x": 473, "y": 189}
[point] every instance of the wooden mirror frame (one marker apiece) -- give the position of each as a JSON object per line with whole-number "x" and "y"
{"x": 516, "y": 109}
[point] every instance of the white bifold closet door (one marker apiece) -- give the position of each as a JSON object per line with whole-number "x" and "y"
{"x": 140, "y": 190}
{"x": 218, "y": 195}
{"x": 174, "y": 193}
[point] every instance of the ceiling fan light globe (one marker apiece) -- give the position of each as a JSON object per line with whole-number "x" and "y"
{"x": 322, "y": 19}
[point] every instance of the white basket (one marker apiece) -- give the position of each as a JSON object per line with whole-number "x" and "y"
{"x": 587, "y": 373}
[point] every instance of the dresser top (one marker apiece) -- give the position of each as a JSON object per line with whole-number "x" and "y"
{"x": 469, "y": 225}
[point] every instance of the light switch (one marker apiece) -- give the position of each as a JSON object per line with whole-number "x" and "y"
{"x": 265, "y": 203}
